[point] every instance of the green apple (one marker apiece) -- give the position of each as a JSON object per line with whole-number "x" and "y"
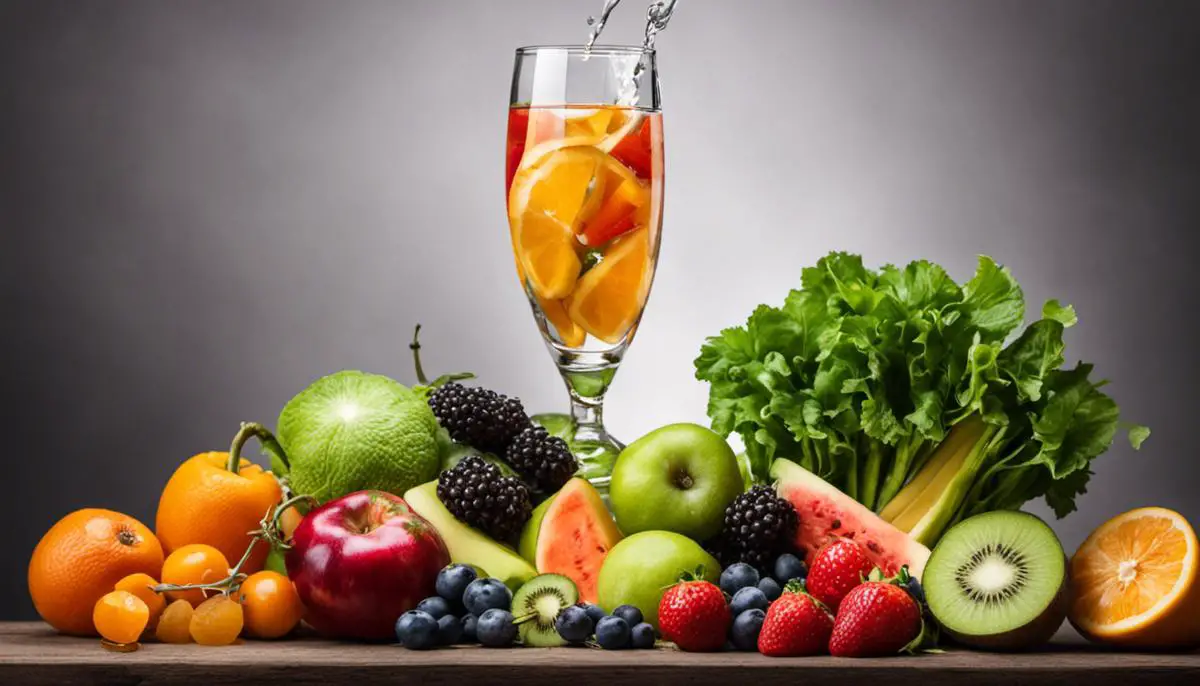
{"x": 678, "y": 478}
{"x": 640, "y": 568}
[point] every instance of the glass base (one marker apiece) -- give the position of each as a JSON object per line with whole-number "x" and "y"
{"x": 597, "y": 452}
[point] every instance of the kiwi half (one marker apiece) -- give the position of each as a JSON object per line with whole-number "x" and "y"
{"x": 536, "y": 605}
{"x": 998, "y": 581}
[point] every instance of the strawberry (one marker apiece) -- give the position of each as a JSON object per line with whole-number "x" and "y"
{"x": 693, "y": 614}
{"x": 836, "y": 568}
{"x": 875, "y": 618}
{"x": 797, "y": 624}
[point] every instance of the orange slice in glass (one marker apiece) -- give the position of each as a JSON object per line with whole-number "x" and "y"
{"x": 1134, "y": 581}
{"x": 623, "y": 210}
{"x": 570, "y": 333}
{"x": 546, "y": 202}
{"x": 609, "y": 298}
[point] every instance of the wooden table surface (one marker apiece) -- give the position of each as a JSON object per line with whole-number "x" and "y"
{"x": 31, "y": 653}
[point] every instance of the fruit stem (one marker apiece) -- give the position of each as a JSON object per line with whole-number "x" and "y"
{"x": 415, "y": 347}
{"x": 422, "y": 380}
{"x": 227, "y": 585}
{"x": 271, "y": 525}
{"x": 264, "y": 436}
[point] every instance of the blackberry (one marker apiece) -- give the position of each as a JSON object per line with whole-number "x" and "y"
{"x": 758, "y": 527}
{"x": 482, "y": 419}
{"x": 478, "y": 494}
{"x": 544, "y": 461}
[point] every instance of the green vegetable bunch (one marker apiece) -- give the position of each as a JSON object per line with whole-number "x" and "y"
{"x": 866, "y": 378}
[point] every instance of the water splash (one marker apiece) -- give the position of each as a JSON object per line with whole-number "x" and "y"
{"x": 658, "y": 14}
{"x": 628, "y": 69}
{"x": 597, "y": 23}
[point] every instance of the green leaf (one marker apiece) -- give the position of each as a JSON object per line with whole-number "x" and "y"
{"x": 1076, "y": 424}
{"x": 1138, "y": 435}
{"x": 993, "y": 302}
{"x": 1036, "y": 353}
{"x": 856, "y": 359}
{"x": 1064, "y": 314}
{"x": 1061, "y": 494}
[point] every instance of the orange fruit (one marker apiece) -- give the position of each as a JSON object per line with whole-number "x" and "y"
{"x": 204, "y": 502}
{"x": 142, "y": 585}
{"x": 120, "y": 617}
{"x": 271, "y": 605}
{"x": 217, "y": 621}
{"x": 174, "y": 626}
{"x": 194, "y": 564}
{"x": 1134, "y": 581}
{"x": 81, "y": 558}
{"x": 610, "y": 297}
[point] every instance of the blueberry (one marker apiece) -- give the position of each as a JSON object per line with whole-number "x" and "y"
{"x": 417, "y": 630}
{"x": 486, "y": 594}
{"x": 641, "y": 636}
{"x": 574, "y": 624}
{"x": 595, "y": 612}
{"x": 746, "y": 626}
{"x": 748, "y": 599}
{"x": 434, "y": 606}
{"x": 737, "y": 576}
{"x": 788, "y": 567}
{"x": 612, "y": 633}
{"x": 770, "y": 588}
{"x": 916, "y": 590}
{"x": 449, "y": 630}
{"x": 452, "y": 582}
{"x": 495, "y": 628}
{"x": 629, "y": 613}
{"x": 468, "y": 628}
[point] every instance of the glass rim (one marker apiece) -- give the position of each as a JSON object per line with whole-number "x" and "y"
{"x": 579, "y": 49}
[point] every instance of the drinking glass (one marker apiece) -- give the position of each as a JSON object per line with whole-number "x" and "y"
{"x": 585, "y": 184}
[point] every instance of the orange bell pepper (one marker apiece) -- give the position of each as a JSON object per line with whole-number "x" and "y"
{"x": 206, "y": 501}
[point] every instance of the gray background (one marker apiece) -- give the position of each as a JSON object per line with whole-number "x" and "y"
{"x": 204, "y": 205}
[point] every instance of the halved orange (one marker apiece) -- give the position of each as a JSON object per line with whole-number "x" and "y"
{"x": 1134, "y": 581}
{"x": 609, "y": 298}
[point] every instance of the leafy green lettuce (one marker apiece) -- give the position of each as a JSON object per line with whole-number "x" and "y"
{"x": 861, "y": 375}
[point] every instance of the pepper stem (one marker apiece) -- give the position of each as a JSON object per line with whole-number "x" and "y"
{"x": 265, "y": 437}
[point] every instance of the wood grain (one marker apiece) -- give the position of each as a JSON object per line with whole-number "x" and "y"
{"x": 30, "y": 653}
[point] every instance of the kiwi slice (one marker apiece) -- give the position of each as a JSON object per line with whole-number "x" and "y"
{"x": 536, "y": 605}
{"x": 998, "y": 581}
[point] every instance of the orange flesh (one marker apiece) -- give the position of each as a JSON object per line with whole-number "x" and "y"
{"x": 585, "y": 179}
{"x": 1127, "y": 569}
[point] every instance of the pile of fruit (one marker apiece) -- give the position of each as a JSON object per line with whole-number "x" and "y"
{"x": 444, "y": 514}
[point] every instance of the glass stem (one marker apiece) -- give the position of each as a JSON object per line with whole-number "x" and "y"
{"x": 591, "y": 443}
{"x": 586, "y": 411}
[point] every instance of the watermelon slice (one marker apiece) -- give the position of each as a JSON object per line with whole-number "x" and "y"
{"x": 570, "y": 534}
{"x": 827, "y": 513}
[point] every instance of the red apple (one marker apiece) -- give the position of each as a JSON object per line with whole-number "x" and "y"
{"x": 361, "y": 561}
